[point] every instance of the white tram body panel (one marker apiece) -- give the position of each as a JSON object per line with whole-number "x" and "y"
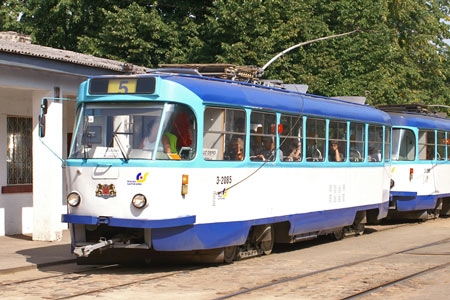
{"x": 283, "y": 192}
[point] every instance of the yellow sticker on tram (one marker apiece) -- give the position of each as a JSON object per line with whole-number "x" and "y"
{"x": 122, "y": 86}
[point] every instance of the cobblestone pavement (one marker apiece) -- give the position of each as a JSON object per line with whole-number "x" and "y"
{"x": 310, "y": 270}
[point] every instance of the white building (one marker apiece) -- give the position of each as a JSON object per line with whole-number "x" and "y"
{"x": 32, "y": 196}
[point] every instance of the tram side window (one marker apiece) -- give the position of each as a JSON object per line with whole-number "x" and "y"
{"x": 441, "y": 145}
{"x": 375, "y": 149}
{"x": 403, "y": 145}
{"x": 387, "y": 142}
{"x": 315, "y": 139}
{"x": 263, "y": 136}
{"x": 291, "y": 137}
{"x": 178, "y": 133}
{"x": 337, "y": 146}
{"x": 357, "y": 141}
{"x": 224, "y": 134}
{"x": 426, "y": 145}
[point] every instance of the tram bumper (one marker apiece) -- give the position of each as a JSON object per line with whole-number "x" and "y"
{"x": 128, "y": 223}
{"x": 91, "y": 233}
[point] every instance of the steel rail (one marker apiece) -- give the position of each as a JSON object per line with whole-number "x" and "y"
{"x": 300, "y": 276}
{"x": 396, "y": 281}
{"x": 100, "y": 268}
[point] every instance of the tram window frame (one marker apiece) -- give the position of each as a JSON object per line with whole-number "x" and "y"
{"x": 263, "y": 127}
{"x": 387, "y": 143}
{"x": 375, "y": 143}
{"x": 337, "y": 135}
{"x": 448, "y": 145}
{"x": 441, "y": 145}
{"x": 231, "y": 127}
{"x": 427, "y": 144}
{"x": 404, "y": 144}
{"x": 357, "y": 135}
{"x": 291, "y": 138}
{"x": 315, "y": 139}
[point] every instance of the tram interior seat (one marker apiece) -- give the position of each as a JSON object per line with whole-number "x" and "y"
{"x": 355, "y": 155}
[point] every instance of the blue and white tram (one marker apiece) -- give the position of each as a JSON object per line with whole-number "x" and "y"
{"x": 171, "y": 162}
{"x": 420, "y": 162}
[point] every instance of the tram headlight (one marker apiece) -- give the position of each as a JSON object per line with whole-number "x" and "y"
{"x": 73, "y": 199}
{"x": 139, "y": 201}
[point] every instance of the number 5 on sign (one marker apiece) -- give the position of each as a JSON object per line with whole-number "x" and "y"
{"x": 116, "y": 86}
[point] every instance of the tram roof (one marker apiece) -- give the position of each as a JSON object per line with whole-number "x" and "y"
{"x": 238, "y": 94}
{"x": 419, "y": 120}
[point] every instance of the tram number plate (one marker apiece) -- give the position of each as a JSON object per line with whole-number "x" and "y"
{"x": 223, "y": 180}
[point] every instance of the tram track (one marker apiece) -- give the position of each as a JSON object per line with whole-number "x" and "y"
{"x": 396, "y": 281}
{"x": 89, "y": 292}
{"x": 98, "y": 268}
{"x": 87, "y": 275}
{"x": 346, "y": 265}
{"x": 137, "y": 276}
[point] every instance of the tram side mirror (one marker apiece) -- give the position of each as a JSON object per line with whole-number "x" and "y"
{"x": 41, "y": 125}
{"x": 44, "y": 107}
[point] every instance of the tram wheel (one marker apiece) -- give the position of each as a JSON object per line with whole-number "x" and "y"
{"x": 338, "y": 234}
{"x": 359, "y": 228}
{"x": 267, "y": 246}
{"x": 229, "y": 254}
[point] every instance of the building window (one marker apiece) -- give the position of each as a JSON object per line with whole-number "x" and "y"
{"x": 19, "y": 156}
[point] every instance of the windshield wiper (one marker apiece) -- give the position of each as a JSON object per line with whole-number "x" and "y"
{"x": 84, "y": 139}
{"x": 119, "y": 143}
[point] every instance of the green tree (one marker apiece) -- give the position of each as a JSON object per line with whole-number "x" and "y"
{"x": 399, "y": 56}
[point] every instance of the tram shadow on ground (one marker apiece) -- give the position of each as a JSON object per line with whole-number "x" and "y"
{"x": 58, "y": 258}
{"x": 48, "y": 256}
{"x": 320, "y": 240}
{"x": 51, "y": 257}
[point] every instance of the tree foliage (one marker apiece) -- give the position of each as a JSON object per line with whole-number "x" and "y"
{"x": 399, "y": 55}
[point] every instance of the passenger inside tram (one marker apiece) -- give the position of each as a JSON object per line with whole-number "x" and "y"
{"x": 335, "y": 154}
{"x": 236, "y": 151}
{"x": 268, "y": 151}
{"x": 149, "y": 140}
{"x": 295, "y": 153}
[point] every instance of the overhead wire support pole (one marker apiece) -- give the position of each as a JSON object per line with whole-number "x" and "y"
{"x": 303, "y": 44}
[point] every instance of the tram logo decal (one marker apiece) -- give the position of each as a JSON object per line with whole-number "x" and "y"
{"x": 105, "y": 190}
{"x": 217, "y": 196}
{"x": 139, "y": 179}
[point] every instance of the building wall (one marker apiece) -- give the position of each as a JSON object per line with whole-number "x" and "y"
{"x": 21, "y": 90}
{"x": 15, "y": 209}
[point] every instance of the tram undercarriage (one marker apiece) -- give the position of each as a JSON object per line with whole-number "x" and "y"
{"x": 111, "y": 245}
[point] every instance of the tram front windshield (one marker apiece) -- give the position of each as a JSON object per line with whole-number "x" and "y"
{"x": 134, "y": 131}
